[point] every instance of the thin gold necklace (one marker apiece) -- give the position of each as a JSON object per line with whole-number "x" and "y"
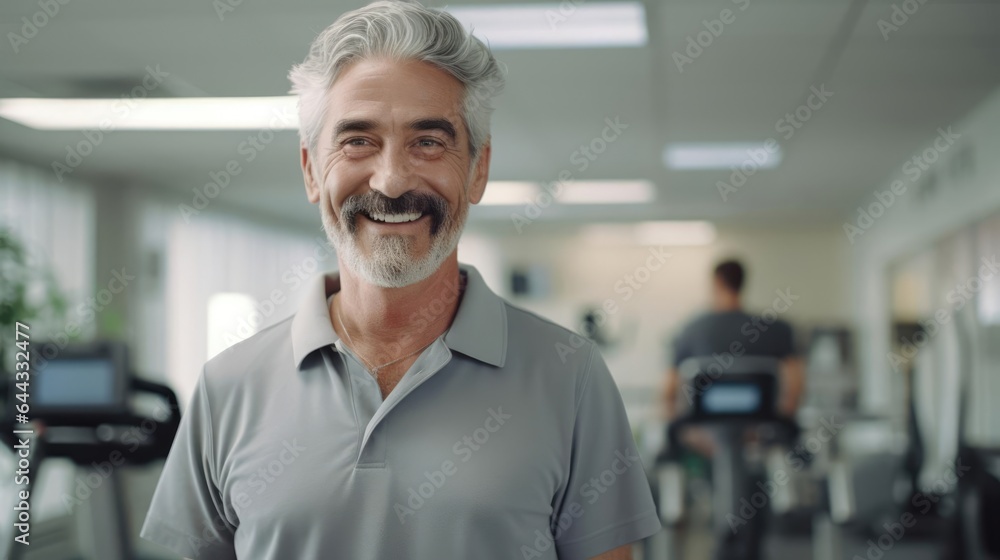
{"x": 374, "y": 369}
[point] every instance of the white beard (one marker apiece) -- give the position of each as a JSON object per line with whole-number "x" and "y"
{"x": 391, "y": 265}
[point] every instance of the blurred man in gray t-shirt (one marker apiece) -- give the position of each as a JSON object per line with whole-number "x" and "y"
{"x": 728, "y": 329}
{"x": 728, "y": 332}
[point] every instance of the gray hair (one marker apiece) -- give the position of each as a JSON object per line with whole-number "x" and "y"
{"x": 398, "y": 31}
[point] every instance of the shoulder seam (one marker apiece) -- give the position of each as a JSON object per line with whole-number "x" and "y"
{"x": 211, "y": 428}
{"x": 211, "y": 448}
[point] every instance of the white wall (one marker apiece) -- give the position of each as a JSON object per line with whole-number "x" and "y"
{"x": 965, "y": 194}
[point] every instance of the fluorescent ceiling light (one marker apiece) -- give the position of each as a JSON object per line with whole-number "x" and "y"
{"x": 516, "y": 193}
{"x": 659, "y": 233}
{"x": 569, "y": 24}
{"x": 178, "y": 113}
{"x": 508, "y": 193}
{"x": 722, "y": 155}
{"x": 607, "y": 192}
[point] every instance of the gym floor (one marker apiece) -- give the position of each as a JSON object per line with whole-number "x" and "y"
{"x": 698, "y": 545}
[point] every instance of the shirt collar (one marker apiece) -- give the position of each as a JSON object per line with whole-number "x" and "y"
{"x": 479, "y": 329}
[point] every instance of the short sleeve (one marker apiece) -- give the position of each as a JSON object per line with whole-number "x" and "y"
{"x": 187, "y": 513}
{"x": 786, "y": 342}
{"x": 606, "y": 501}
{"x": 681, "y": 348}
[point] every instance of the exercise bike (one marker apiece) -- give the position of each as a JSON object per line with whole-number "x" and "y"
{"x": 729, "y": 399}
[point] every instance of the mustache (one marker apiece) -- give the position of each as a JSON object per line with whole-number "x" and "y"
{"x": 374, "y": 202}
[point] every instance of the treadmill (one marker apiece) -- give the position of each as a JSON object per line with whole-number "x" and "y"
{"x": 76, "y": 402}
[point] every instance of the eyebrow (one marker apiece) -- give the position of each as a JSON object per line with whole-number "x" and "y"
{"x": 444, "y": 125}
{"x": 353, "y": 125}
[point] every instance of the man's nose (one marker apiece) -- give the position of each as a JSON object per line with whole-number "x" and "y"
{"x": 393, "y": 173}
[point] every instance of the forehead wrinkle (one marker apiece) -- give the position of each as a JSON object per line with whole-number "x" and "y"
{"x": 394, "y": 94}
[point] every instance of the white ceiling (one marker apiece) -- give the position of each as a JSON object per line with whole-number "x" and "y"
{"x": 889, "y": 98}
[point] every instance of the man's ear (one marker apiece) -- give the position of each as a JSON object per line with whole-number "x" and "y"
{"x": 312, "y": 184}
{"x": 481, "y": 174}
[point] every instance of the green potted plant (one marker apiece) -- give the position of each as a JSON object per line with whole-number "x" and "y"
{"x": 28, "y": 294}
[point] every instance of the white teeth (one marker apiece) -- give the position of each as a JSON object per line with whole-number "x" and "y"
{"x": 396, "y": 218}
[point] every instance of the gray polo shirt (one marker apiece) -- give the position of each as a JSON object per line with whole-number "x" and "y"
{"x": 506, "y": 439}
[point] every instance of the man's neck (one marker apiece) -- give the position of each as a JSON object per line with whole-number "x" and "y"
{"x": 728, "y": 305}
{"x": 375, "y": 317}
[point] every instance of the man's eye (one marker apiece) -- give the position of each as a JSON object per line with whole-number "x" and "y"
{"x": 429, "y": 143}
{"x": 356, "y": 142}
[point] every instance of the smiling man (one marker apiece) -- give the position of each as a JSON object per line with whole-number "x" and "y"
{"x": 405, "y": 410}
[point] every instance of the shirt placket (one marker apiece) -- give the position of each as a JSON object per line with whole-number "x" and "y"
{"x": 371, "y": 410}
